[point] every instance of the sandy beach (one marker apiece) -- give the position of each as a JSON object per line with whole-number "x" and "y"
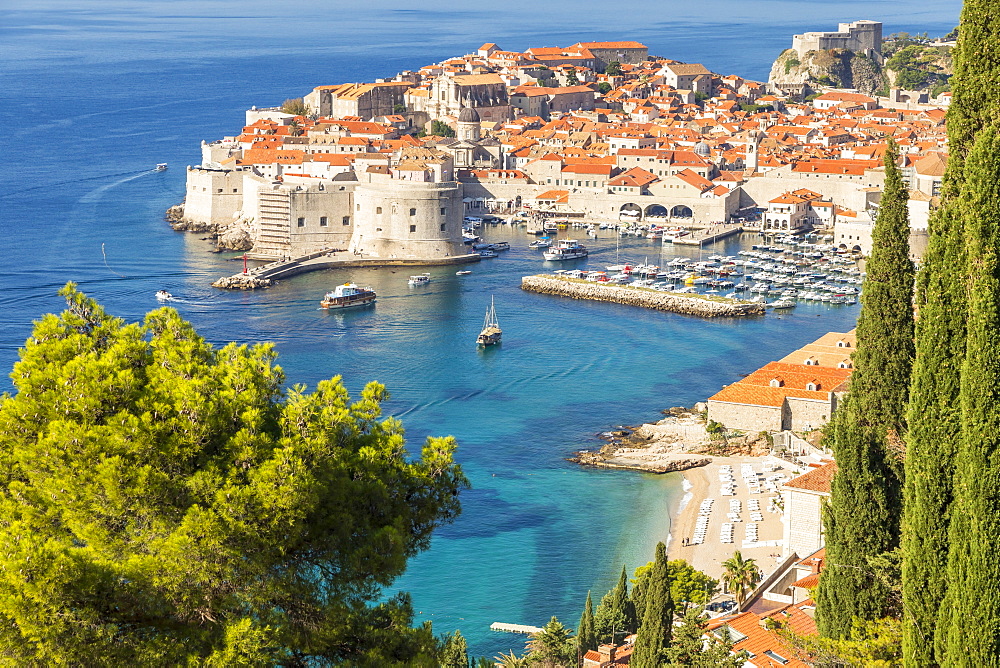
{"x": 704, "y": 484}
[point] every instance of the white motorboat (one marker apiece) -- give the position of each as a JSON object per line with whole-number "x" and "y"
{"x": 347, "y": 295}
{"x": 161, "y": 166}
{"x": 464, "y": 272}
{"x": 419, "y": 279}
{"x": 565, "y": 249}
{"x": 163, "y": 295}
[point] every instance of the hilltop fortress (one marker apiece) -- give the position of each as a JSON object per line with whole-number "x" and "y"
{"x": 863, "y": 37}
{"x": 599, "y": 131}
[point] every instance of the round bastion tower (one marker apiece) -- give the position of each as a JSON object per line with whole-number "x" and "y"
{"x": 468, "y": 125}
{"x": 409, "y": 221}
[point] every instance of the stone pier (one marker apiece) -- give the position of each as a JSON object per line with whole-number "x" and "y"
{"x": 716, "y": 307}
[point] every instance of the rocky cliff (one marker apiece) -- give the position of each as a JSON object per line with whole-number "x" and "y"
{"x": 237, "y": 235}
{"x": 838, "y": 68}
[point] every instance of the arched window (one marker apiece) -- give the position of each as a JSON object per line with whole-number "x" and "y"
{"x": 843, "y": 344}
{"x": 812, "y": 387}
{"x": 844, "y": 365}
{"x": 777, "y": 382}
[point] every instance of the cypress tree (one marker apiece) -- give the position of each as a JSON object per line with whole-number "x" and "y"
{"x": 863, "y": 518}
{"x": 586, "y": 636}
{"x": 935, "y": 428}
{"x": 615, "y": 613}
{"x": 972, "y": 603}
{"x": 657, "y": 622}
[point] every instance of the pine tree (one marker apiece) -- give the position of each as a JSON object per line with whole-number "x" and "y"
{"x": 864, "y": 515}
{"x": 455, "y": 651}
{"x": 615, "y": 614}
{"x": 935, "y": 428}
{"x": 586, "y": 635}
{"x": 972, "y": 603}
{"x": 655, "y": 631}
{"x": 167, "y": 502}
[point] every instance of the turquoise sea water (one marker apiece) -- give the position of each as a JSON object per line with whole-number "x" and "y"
{"x": 94, "y": 98}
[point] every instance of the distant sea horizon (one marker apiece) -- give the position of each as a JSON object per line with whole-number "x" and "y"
{"x": 95, "y": 97}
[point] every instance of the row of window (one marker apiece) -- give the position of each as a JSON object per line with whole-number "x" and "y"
{"x": 413, "y": 212}
{"x": 323, "y": 222}
{"x": 301, "y": 222}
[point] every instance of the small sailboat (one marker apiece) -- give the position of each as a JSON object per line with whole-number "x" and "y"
{"x": 491, "y": 328}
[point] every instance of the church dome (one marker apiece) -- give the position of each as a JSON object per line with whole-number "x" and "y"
{"x": 468, "y": 115}
{"x": 702, "y": 149}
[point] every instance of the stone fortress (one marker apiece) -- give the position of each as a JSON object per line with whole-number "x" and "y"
{"x": 863, "y": 37}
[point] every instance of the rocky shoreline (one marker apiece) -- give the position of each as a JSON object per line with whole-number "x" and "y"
{"x": 234, "y": 236}
{"x": 678, "y": 442}
{"x": 630, "y": 296}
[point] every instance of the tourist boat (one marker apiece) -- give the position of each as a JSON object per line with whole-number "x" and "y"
{"x": 565, "y": 249}
{"x": 161, "y": 166}
{"x": 488, "y": 253}
{"x": 419, "y": 279}
{"x": 491, "y": 328}
{"x": 550, "y": 227}
{"x": 500, "y": 246}
{"x": 347, "y": 295}
{"x": 163, "y": 295}
{"x": 464, "y": 272}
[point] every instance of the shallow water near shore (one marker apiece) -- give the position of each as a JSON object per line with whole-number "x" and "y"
{"x": 95, "y": 101}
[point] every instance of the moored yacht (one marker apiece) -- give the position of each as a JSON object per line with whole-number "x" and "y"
{"x": 565, "y": 249}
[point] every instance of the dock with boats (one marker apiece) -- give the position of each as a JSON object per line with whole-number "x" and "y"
{"x": 709, "y": 234}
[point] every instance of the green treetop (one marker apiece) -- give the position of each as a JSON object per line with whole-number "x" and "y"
{"x": 656, "y": 629}
{"x": 586, "y": 635}
{"x": 454, "y": 651}
{"x": 970, "y": 612}
{"x": 863, "y": 518}
{"x": 741, "y": 575}
{"x": 165, "y": 502}
{"x": 943, "y": 286}
{"x": 615, "y": 616}
{"x": 552, "y": 647}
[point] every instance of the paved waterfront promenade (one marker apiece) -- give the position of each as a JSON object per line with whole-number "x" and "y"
{"x": 264, "y": 275}
{"x": 709, "y": 234}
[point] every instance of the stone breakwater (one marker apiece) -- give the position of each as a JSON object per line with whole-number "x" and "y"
{"x": 621, "y": 294}
{"x": 242, "y": 282}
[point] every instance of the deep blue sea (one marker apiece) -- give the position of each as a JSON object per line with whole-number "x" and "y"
{"x": 94, "y": 94}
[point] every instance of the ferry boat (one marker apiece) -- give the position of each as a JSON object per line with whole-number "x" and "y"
{"x": 347, "y": 295}
{"x": 565, "y": 249}
{"x": 491, "y": 328}
{"x": 419, "y": 279}
{"x": 163, "y": 295}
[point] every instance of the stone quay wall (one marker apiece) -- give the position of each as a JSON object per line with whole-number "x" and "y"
{"x": 629, "y": 296}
